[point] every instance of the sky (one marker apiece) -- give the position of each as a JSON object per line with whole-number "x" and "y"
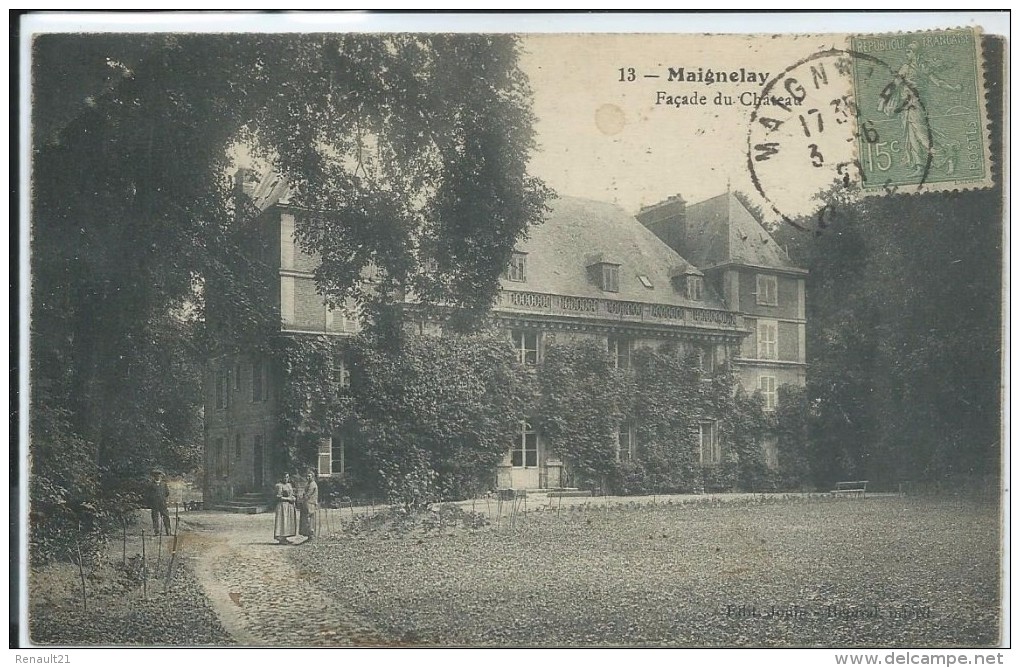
{"x": 609, "y": 140}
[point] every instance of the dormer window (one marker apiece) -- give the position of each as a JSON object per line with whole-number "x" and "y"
{"x": 611, "y": 277}
{"x": 604, "y": 271}
{"x": 515, "y": 270}
{"x": 606, "y": 275}
{"x": 695, "y": 287}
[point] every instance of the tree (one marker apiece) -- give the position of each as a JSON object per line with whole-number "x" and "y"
{"x": 435, "y": 417}
{"x": 904, "y": 335}
{"x": 133, "y": 209}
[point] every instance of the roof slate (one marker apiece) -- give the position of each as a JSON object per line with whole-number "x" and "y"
{"x": 721, "y": 230}
{"x": 577, "y": 230}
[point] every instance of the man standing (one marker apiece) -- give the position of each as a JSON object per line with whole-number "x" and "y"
{"x": 308, "y": 504}
{"x": 158, "y": 493}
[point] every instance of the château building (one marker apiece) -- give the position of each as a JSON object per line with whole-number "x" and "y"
{"x": 706, "y": 278}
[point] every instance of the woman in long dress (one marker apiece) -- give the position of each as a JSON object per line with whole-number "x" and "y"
{"x": 286, "y": 515}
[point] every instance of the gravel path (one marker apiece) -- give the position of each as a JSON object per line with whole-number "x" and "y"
{"x": 259, "y": 594}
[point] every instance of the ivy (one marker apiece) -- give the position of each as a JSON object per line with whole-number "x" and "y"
{"x": 427, "y": 421}
{"x": 579, "y": 410}
{"x": 432, "y": 420}
{"x": 666, "y": 397}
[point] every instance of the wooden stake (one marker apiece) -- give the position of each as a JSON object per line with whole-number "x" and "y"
{"x": 170, "y": 567}
{"x": 159, "y": 550}
{"x": 81, "y": 574}
{"x": 145, "y": 571}
{"x": 123, "y": 555}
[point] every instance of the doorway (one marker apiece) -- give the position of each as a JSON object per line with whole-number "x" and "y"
{"x": 524, "y": 459}
{"x": 258, "y": 466}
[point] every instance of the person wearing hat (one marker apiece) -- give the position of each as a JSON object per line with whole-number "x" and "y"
{"x": 158, "y": 492}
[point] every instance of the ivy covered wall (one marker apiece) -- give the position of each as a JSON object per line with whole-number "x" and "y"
{"x": 433, "y": 419}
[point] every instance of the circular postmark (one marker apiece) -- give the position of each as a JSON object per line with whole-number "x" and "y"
{"x": 806, "y": 138}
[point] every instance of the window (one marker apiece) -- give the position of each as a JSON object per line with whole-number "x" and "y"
{"x": 525, "y": 450}
{"x": 771, "y": 447}
{"x": 515, "y": 272}
{"x": 619, "y": 350}
{"x": 706, "y": 359}
{"x": 237, "y": 447}
{"x": 219, "y": 463}
{"x": 767, "y": 385}
{"x": 331, "y": 455}
{"x": 625, "y": 442}
{"x": 341, "y": 374}
{"x": 711, "y": 452}
{"x": 526, "y": 343}
{"x": 222, "y": 384}
{"x": 767, "y": 334}
{"x": 645, "y": 281}
{"x": 611, "y": 277}
{"x": 259, "y": 382}
{"x": 767, "y": 292}
{"x": 695, "y": 288}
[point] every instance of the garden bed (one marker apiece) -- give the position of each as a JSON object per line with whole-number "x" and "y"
{"x": 117, "y": 612}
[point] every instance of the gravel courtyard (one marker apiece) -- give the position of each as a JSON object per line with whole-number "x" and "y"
{"x": 740, "y": 571}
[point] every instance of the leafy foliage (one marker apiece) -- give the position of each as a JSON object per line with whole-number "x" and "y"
{"x": 415, "y": 144}
{"x": 665, "y": 397}
{"x": 579, "y": 411}
{"x": 904, "y": 341}
{"x": 429, "y": 421}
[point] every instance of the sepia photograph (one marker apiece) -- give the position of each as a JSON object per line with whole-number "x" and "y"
{"x": 513, "y": 338}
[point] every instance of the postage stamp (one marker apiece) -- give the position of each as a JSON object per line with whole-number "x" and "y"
{"x": 921, "y": 110}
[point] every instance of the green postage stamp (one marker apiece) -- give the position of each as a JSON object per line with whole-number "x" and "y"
{"x": 920, "y": 110}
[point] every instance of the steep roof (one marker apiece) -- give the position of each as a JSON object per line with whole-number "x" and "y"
{"x": 721, "y": 230}
{"x": 270, "y": 190}
{"x": 578, "y": 233}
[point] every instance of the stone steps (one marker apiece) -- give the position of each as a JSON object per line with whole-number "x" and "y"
{"x": 247, "y": 504}
{"x": 567, "y": 492}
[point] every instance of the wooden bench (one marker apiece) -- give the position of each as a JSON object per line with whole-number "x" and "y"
{"x": 855, "y": 487}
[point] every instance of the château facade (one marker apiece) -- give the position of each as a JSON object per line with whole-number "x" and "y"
{"x": 706, "y": 278}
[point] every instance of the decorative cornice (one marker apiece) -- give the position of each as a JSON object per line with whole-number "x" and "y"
{"x": 593, "y": 326}
{"x": 747, "y": 361}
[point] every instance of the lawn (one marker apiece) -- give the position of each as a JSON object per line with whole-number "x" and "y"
{"x": 892, "y": 571}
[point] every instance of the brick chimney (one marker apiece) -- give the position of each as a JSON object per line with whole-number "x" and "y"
{"x": 244, "y": 189}
{"x": 244, "y": 181}
{"x": 668, "y": 221}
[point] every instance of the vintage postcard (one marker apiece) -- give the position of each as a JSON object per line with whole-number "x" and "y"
{"x": 505, "y": 339}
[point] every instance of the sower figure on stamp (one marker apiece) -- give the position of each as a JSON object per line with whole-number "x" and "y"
{"x": 900, "y": 98}
{"x": 157, "y": 493}
{"x": 286, "y": 516}
{"x": 308, "y": 504}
